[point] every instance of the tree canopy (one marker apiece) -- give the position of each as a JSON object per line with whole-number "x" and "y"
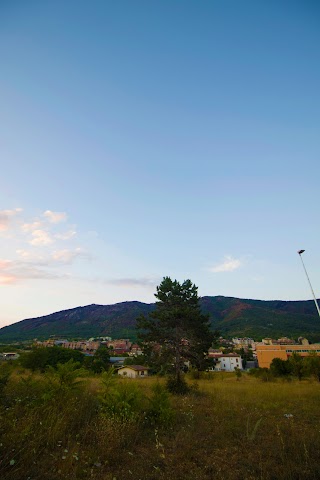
{"x": 176, "y": 331}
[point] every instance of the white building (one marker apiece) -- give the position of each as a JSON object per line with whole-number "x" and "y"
{"x": 133, "y": 371}
{"x": 228, "y": 362}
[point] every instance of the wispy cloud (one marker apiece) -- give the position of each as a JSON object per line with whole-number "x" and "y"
{"x": 66, "y": 235}
{"x": 229, "y": 264}
{"x": 68, "y": 256}
{"x": 30, "y": 227}
{"x": 41, "y": 238}
{"x": 12, "y": 272}
{"x": 6, "y": 216}
{"x": 134, "y": 282}
{"x": 55, "y": 217}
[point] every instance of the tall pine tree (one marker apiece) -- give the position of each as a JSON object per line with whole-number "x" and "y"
{"x": 176, "y": 331}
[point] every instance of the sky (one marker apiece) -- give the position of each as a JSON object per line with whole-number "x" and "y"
{"x": 147, "y": 138}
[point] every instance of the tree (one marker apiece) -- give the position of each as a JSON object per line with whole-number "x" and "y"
{"x": 100, "y": 361}
{"x": 176, "y": 330}
{"x": 40, "y": 357}
{"x": 312, "y": 365}
{"x": 297, "y": 366}
{"x": 280, "y": 367}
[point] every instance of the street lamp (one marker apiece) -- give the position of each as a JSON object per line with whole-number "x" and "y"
{"x": 300, "y": 252}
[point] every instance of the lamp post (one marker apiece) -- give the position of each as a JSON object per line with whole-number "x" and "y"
{"x": 300, "y": 252}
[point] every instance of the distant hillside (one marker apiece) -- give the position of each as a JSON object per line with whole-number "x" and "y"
{"x": 231, "y": 316}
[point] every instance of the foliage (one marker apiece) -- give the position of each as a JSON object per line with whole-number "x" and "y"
{"x": 177, "y": 385}
{"x": 100, "y": 361}
{"x": 70, "y": 437}
{"x": 312, "y": 365}
{"x": 4, "y": 378}
{"x": 280, "y": 368}
{"x": 121, "y": 401}
{"x": 246, "y": 355}
{"x": 159, "y": 411}
{"x": 232, "y": 316}
{"x": 66, "y": 375}
{"x": 109, "y": 379}
{"x": 40, "y": 357}
{"x": 264, "y": 374}
{"x": 138, "y": 360}
{"x": 176, "y": 330}
{"x": 296, "y": 365}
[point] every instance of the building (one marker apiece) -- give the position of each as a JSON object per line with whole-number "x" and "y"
{"x": 117, "y": 361}
{"x": 9, "y": 355}
{"x": 119, "y": 346}
{"x": 135, "y": 350}
{"x": 133, "y": 371}
{"x": 266, "y": 353}
{"x": 244, "y": 343}
{"x": 228, "y": 362}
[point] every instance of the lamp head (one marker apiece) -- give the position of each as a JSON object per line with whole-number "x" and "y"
{"x": 301, "y": 251}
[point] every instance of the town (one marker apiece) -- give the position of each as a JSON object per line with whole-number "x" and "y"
{"x": 227, "y": 355}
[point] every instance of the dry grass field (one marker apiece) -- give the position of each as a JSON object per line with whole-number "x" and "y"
{"x": 120, "y": 429}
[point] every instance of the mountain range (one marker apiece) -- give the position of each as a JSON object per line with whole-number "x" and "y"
{"x": 230, "y": 316}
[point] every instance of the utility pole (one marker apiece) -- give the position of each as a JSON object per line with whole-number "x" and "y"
{"x": 300, "y": 252}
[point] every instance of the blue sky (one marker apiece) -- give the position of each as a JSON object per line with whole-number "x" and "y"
{"x": 141, "y": 139}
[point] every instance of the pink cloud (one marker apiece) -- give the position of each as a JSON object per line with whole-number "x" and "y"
{"x": 55, "y": 217}
{"x": 7, "y": 279}
{"x": 5, "y": 218}
{"x": 41, "y": 238}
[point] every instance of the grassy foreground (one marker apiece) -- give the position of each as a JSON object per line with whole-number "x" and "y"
{"x": 120, "y": 429}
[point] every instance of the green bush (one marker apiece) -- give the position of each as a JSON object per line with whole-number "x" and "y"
{"x": 121, "y": 401}
{"x": 177, "y": 386}
{"x": 159, "y": 412}
{"x": 40, "y": 357}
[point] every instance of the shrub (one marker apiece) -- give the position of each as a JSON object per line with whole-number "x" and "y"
{"x": 177, "y": 386}
{"x": 40, "y": 358}
{"x": 264, "y": 374}
{"x": 66, "y": 375}
{"x": 159, "y": 411}
{"x": 122, "y": 401}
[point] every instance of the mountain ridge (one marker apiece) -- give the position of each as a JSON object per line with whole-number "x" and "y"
{"x": 232, "y": 316}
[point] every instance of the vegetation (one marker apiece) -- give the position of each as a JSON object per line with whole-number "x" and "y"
{"x": 100, "y": 361}
{"x": 41, "y": 357}
{"x": 178, "y": 325}
{"x": 60, "y": 424}
{"x": 231, "y": 316}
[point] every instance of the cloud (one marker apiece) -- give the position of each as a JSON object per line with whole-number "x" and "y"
{"x": 7, "y": 279}
{"x": 66, "y": 235}
{"x": 68, "y": 256}
{"x": 40, "y": 238}
{"x": 134, "y": 282}
{"x": 12, "y": 272}
{"x": 36, "y": 247}
{"x": 55, "y": 217}
{"x": 30, "y": 227}
{"x": 228, "y": 265}
{"x": 5, "y": 217}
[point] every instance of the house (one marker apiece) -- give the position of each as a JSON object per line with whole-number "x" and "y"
{"x": 228, "y": 362}
{"x": 133, "y": 371}
{"x": 135, "y": 350}
{"x": 117, "y": 361}
{"x": 10, "y": 356}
